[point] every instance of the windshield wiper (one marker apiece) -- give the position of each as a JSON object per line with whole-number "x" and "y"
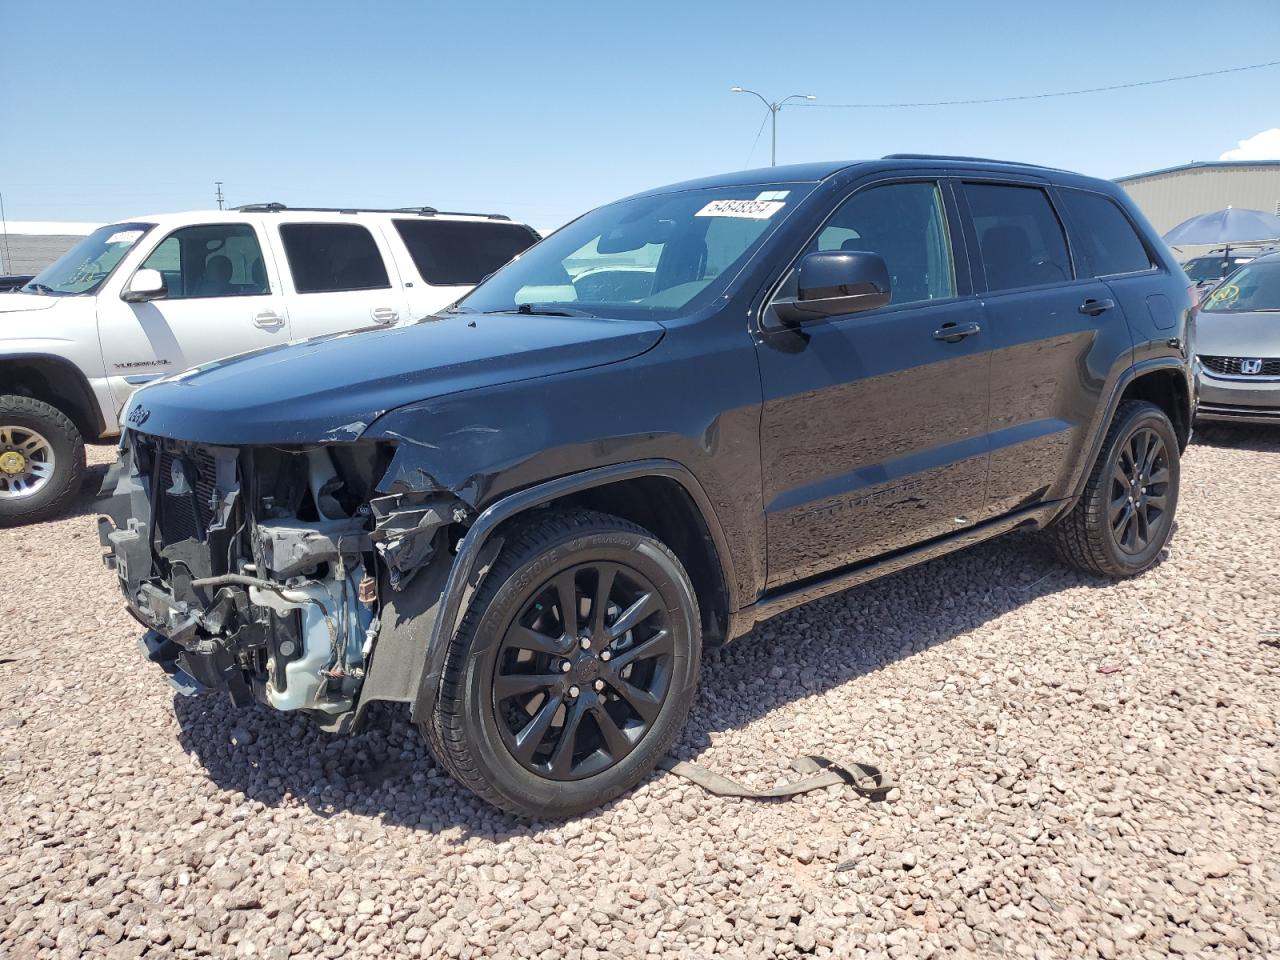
{"x": 529, "y": 309}
{"x": 38, "y": 287}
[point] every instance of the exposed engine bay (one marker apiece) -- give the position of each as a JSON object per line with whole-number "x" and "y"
{"x": 267, "y": 571}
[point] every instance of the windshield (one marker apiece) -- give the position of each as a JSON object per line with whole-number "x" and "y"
{"x": 649, "y": 258}
{"x": 1214, "y": 267}
{"x": 84, "y": 267}
{"x": 1204, "y": 268}
{"x": 1251, "y": 288}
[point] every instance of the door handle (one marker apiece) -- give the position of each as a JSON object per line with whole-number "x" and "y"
{"x": 268, "y": 320}
{"x": 1093, "y": 308}
{"x": 384, "y": 315}
{"x": 955, "y": 332}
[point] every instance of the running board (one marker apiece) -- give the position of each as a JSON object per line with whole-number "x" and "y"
{"x": 814, "y": 588}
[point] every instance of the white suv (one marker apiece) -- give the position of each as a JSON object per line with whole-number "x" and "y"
{"x": 140, "y": 300}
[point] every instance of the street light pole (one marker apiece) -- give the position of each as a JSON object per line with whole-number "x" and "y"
{"x": 773, "y": 109}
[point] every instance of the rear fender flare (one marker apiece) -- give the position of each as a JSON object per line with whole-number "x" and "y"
{"x": 1128, "y": 376}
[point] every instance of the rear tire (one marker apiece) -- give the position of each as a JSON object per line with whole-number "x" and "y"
{"x": 32, "y": 434}
{"x": 545, "y": 714}
{"x": 1125, "y": 516}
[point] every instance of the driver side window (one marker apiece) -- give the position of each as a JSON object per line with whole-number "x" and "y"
{"x": 211, "y": 260}
{"x": 906, "y": 224}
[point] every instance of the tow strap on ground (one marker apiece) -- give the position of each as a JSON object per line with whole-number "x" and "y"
{"x": 865, "y": 779}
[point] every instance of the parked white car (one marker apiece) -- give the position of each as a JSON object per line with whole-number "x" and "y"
{"x": 142, "y": 299}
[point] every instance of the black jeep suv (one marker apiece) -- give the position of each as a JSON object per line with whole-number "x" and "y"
{"x": 678, "y": 415}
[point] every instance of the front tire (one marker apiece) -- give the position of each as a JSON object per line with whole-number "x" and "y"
{"x": 41, "y": 460}
{"x": 1125, "y": 516}
{"x": 573, "y": 670}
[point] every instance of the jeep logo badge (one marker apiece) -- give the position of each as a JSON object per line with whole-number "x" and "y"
{"x": 138, "y": 416}
{"x": 1250, "y": 366}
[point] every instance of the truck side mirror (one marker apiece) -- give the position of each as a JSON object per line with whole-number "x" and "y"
{"x": 836, "y": 282}
{"x": 145, "y": 285}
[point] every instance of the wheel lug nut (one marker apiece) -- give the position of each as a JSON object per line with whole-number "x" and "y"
{"x": 599, "y": 685}
{"x": 574, "y": 691}
{"x": 565, "y": 666}
{"x": 606, "y": 655}
{"x": 585, "y": 643}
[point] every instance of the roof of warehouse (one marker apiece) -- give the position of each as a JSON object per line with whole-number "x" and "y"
{"x": 1200, "y": 165}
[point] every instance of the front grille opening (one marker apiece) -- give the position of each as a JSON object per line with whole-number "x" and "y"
{"x": 1233, "y": 366}
{"x": 187, "y": 481}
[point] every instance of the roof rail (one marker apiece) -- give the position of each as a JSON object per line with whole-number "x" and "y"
{"x": 419, "y": 211}
{"x": 943, "y": 156}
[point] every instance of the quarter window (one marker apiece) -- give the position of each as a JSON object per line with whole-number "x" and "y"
{"x": 211, "y": 260}
{"x": 906, "y": 224}
{"x": 1019, "y": 235}
{"x": 330, "y": 257}
{"x": 457, "y": 252}
{"x": 1104, "y": 234}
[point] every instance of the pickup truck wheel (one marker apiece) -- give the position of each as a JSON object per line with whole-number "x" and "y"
{"x": 41, "y": 460}
{"x": 1125, "y": 516}
{"x": 574, "y": 667}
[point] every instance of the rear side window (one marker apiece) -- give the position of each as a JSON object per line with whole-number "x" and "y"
{"x": 1019, "y": 235}
{"x": 1104, "y": 234}
{"x": 458, "y": 252}
{"x": 329, "y": 257}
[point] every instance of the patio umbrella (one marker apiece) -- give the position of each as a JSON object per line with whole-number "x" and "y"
{"x": 1226, "y": 227}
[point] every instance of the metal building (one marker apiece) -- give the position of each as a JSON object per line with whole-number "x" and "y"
{"x": 27, "y": 246}
{"x": 1173, "y": 194}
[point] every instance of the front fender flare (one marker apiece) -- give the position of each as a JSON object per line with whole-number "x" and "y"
{"x": 471, "y": 552}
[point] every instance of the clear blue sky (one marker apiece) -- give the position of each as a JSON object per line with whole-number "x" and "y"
{"x": 543, "y": 110}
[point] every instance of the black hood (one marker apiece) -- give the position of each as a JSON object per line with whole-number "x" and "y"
{"x": 332, "y": 388}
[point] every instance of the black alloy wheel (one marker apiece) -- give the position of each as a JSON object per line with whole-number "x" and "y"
{"x": 583, "y": 671}
{"x": 574, "y": 666}
{"x": 1139, "y": 487}
{"x": 1124, "y": 517}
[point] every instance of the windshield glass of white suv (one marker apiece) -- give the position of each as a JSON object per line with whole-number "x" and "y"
{"x": 652, "y": 257}
{"x": 84, "y": 267}
{"x": 1252, "y": 288}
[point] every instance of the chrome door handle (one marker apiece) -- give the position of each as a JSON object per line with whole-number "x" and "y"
{"x": 384, "y": 315}
{"x": 955, "y": 332}
{"x": 268, "y": 320}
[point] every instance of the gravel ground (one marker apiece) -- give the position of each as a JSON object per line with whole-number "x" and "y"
{"x": 1085, "y": 769}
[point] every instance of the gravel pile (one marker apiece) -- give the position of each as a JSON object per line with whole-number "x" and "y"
{"x": 1084, "y": 770}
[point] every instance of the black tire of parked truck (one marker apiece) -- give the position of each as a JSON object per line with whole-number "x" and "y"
{"x": 574, "y": 667}
{"x": 33, "y": 433}
{"x": 1125, "y": 516}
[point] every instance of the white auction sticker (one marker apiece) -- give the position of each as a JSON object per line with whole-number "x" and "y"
{"x": 124, "y": 236}
{"x": 747, "y": 209}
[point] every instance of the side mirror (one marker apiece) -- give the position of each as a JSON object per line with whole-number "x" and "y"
{"x": 835, "y": 282}
{"x": 145, "y": 285}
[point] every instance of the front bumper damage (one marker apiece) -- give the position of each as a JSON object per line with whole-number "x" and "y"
{"x": 267, "y": 572}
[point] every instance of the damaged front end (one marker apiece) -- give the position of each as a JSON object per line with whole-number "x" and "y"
{"x": 269, "y": 572}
